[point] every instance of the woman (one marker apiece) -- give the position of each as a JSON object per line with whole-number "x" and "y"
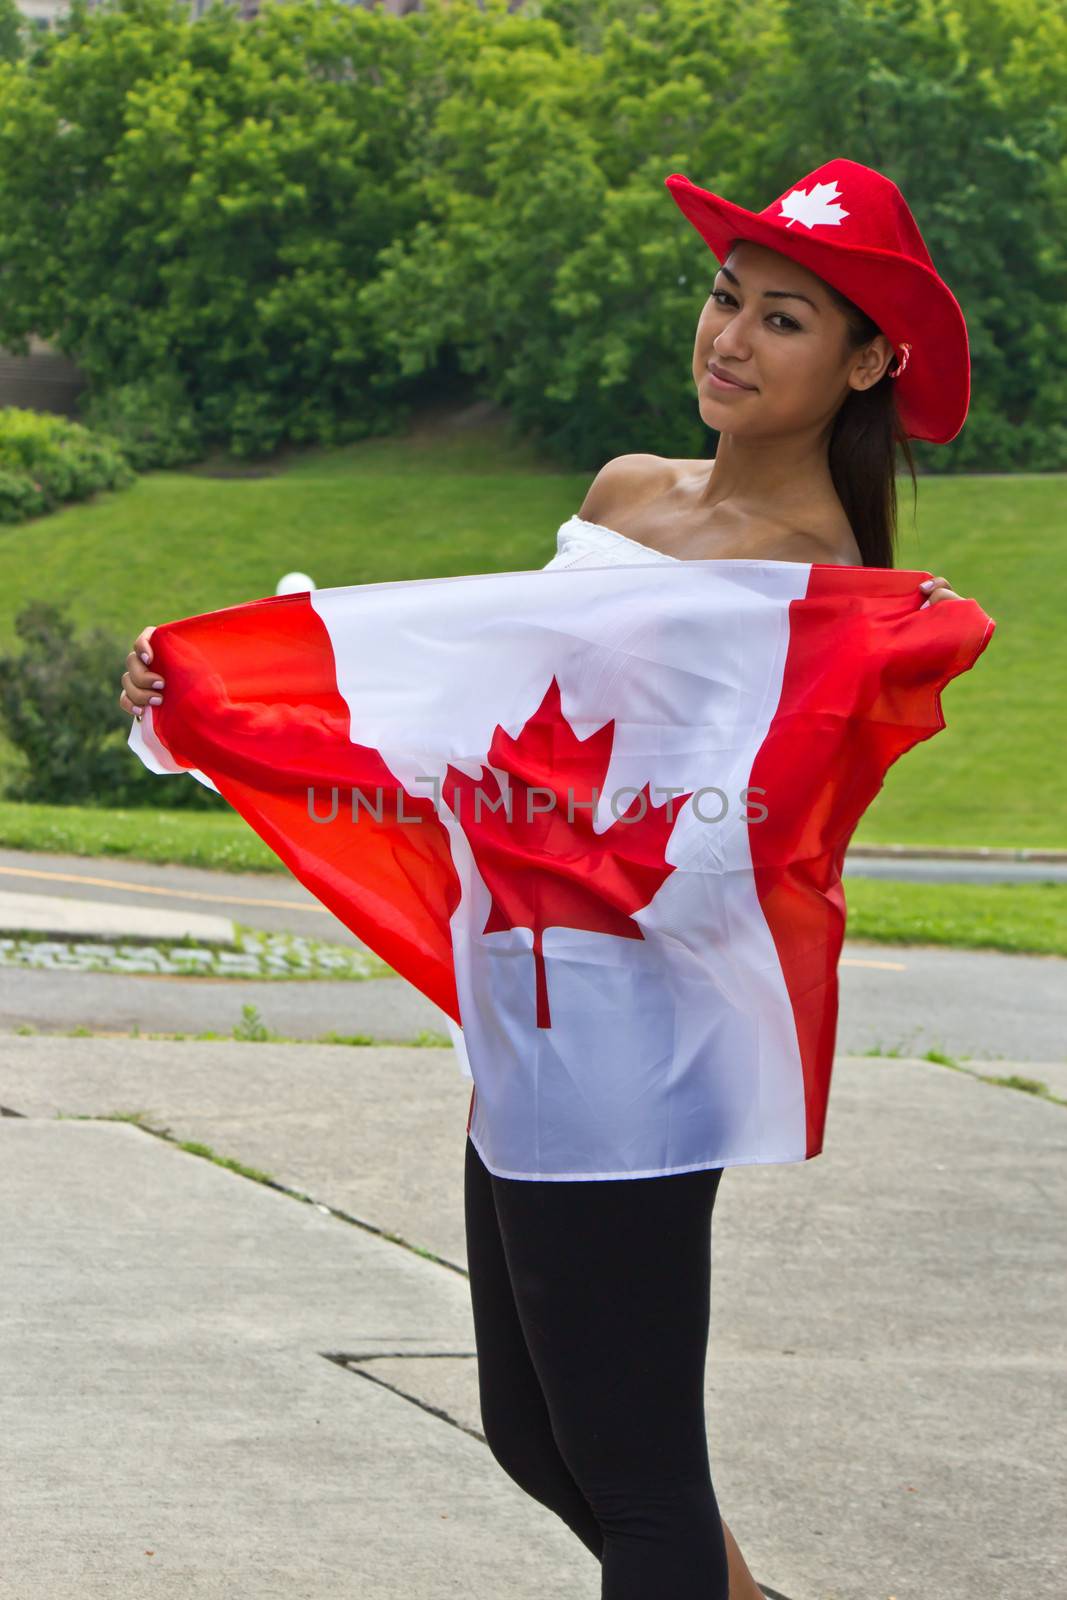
{"x": 591, "y": 1300}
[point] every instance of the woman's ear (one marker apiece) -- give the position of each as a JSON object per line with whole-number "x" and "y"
{"x": 871, "y": 363}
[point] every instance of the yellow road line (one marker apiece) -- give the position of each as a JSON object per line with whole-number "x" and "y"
{"x": 151, "y": 888}
{"x": 878, "y": 966}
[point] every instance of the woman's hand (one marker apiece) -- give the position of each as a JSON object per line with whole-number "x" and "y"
{"x": 141, "y": 685}
{"x": 937, "y": 589}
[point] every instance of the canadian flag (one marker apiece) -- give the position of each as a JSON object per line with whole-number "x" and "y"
{"x": 597, "y": 815}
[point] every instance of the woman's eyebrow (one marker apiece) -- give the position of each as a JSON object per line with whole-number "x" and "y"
{"x": 773, "y": 294}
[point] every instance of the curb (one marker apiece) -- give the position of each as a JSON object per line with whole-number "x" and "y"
{"x": 949, "y": 853}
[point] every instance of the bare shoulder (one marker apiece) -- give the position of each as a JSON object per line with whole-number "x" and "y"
{"x": 623, "y": 479}
{"x": 647, "y": 490}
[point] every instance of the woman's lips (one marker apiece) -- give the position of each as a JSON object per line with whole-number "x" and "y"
{"x": 720, "y": 382}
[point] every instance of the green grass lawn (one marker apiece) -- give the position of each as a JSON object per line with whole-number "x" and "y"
{"x": 178, "y": 543}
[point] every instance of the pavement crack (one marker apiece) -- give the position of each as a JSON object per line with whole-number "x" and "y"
{"x": 399, "y": 1355}
{"x": 252, "y": 1175}
{"x": 354, "y": 1364}
{"x": 423, "y": 1405}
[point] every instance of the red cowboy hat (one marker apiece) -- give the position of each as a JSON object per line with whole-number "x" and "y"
{"x": 852, "y": 226}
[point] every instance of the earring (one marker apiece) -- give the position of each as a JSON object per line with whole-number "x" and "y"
{"x": 902, "y": 361}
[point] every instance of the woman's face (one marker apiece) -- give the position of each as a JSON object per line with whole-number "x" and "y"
{"x": 772, "y": 324}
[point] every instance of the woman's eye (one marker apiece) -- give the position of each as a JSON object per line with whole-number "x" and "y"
{"x": 721, "y": 295}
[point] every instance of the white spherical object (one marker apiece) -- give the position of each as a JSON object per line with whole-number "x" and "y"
{"x": 294, "y": 583}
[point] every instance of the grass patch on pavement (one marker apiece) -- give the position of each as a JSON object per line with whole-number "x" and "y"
{"x": 1002, "y": 1080}
{"x": 250, "y": 1030}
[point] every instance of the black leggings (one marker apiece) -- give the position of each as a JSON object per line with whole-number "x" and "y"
{"x": 591, "y": 1302}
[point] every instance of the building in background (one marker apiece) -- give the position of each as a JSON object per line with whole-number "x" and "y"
{"x": 42, "y": 380}
{"x": 41, "y": 13}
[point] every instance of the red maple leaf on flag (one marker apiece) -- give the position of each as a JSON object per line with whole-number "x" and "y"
{"x": 536, "y": 847}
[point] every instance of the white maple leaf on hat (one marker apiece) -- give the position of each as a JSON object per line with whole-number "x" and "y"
{"x": 800, "y": 206}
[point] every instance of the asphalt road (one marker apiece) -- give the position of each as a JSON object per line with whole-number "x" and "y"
{"x": 276, "y": 901}
{"x": 978, "y": 1004}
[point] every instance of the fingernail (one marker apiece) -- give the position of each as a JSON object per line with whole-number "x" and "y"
{"x": 144, "y": 657}
{"x": 157, "y": 699}
{"x": 927, "y": 583}
{"x": 924, "y": 605}
{"x": 158, "y": 684}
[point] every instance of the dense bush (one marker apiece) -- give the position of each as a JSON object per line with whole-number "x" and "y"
{"x": 152, "y": 418}
{"x": 59, "y": 706}
{"x": 47, "y": 460}
{"x": 20, "y": 497}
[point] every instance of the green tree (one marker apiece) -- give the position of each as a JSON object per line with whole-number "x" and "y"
{"x": 963, "y": 103}
{"x": 204, "y": 198}
{"x": 290, "y": 225}
{"x": 549, "y": 254}
{"x": 12, "y": 23}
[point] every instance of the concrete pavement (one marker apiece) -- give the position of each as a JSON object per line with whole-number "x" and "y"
{"x": 260, "y": 1379}
{"x": 176, "y": 1422}
{"x": 278, "y": 1399}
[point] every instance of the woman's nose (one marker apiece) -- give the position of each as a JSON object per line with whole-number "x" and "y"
{"x": 732, "y": 343}
{"x": 732, "y": 357}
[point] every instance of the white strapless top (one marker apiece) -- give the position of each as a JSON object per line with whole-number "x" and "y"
{"x": 590, "y": 544}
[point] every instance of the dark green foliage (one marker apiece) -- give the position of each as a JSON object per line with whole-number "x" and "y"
{"x": 12, "y": 26}
{"x": 59, "y": 706}
{"x": 152, "y": 419}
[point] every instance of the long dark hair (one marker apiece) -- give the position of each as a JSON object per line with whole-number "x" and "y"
{"x": 862, "y": 455}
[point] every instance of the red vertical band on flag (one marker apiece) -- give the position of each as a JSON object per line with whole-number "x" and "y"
{"x": 252, "y": 701}
{"x": 881, "y": 668}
